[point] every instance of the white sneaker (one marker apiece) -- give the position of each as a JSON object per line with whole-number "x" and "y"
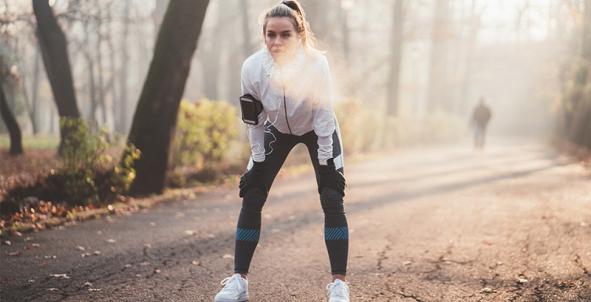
{"x": 338, "y": 291}
{"x": 235, "y": 290}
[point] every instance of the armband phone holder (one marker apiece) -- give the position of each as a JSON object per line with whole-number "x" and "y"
{"x": 251, "y": 108}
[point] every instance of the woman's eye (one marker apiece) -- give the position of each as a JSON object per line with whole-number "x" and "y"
{"x": 271, "y": 36}
{"x": 286, "y": 35}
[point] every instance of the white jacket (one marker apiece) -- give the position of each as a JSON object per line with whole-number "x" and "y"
{"x": 302, "y": 89}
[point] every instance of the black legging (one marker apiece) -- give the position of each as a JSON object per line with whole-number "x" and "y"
{"x": 336, "y": 235}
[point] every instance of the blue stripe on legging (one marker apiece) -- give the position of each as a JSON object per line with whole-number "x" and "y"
{"x": 247, "y": 234}
{"x": 341, "y": 233}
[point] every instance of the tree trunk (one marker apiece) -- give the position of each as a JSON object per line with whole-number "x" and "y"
{"x": 35, "y": 91}
{"x": 346, "y": 33}
{"x": 57, "y": 63}
{"x": 437, "y": 89}
{"x": 158, "y": 14}
{"x": 246, "y": 36}
{"x": 111, "y": 85}
{"x": 396, "y": 43}
{"x": 90, "y": 65}
{"x": 123, "y": 97}
{"x": 16, "y": 146}
{"x": 586, "y": 45}
{"x": 473, "y": 30}
{"x": 155, "y": 118}
{"x": 211, "y": 51}
{"x": 316, "y": 14}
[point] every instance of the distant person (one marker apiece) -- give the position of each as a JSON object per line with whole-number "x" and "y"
{"x": 480, "y": 119}
{"x": 287, "y": 101}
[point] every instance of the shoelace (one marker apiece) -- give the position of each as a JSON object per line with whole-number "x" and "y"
{"x": 227, "y": 286}
{"x": 337, "y": 289}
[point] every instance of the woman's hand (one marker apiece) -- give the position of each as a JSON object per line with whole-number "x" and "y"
{"x": 253, "y": 178}
{"x": 329, "y": 177}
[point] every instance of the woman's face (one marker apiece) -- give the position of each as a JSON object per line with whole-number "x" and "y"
{"x": 281, "y": 38}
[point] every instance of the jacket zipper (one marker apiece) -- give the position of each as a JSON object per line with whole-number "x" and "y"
{"x": 285, "y": 108}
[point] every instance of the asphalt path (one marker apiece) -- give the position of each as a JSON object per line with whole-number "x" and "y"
{"x": 512, "y": 223}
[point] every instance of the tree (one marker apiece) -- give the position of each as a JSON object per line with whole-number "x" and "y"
{"x": 122, "y": 122}
{"x": 16, "y": 145}
{"x": 438, "y": 96}
{"x": 155, "y": 117}
{"x": 53, "y": 44}
{"x": 395, "y": 58}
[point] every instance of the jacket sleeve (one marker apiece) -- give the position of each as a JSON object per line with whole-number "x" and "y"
{"x": 324, "y": 120}
{"x": 256, "y": 133}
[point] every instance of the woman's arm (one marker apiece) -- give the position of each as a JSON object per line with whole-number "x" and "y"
{"x": 324, "y": 120}
{"x": 256, "y": 133}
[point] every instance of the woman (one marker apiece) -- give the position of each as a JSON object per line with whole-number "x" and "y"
{"x": 292, "y": 81}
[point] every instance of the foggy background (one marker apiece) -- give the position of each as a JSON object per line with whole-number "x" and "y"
{"x": 511, "y": 52}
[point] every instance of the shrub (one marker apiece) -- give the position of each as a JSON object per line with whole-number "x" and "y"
{"x": 86, "y": 174}
{"x": 205, "y": 131}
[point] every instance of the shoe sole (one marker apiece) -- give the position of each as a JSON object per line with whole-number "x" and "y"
{"x": 240, "y": 300}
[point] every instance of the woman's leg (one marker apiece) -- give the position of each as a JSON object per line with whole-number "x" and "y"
{"x": 277, "y": 147}
{"x": 336, "y": 233}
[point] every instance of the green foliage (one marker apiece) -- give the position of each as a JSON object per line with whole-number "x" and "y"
{"x": 82, "y": 149}
{"x": 87, "y": 173}
{"x": 204, "y": 133}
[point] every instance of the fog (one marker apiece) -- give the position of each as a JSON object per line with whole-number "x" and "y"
{"x": 512, "y": 53}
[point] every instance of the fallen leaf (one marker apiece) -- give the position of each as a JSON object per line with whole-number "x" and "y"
{"x": 522, "y": 280}
{"x": 111, "y": 240}
{"x": 97, "y": 252}
{"x": 81, "y": 248}
{"x": 60, "y": 276}
{"x": 196, "y": 262}
{"x": 486, "y": 290}
{"x": 53, "y": 289}
{"x": 87, "y": 284}
{"x": 12, "y": 254}
{"x": 190, "y": 232}
{"x": 406, "y": 263}
{"x": 7, "y": 242}
{"x": 50, "y": 257}
{"x": 228, "y": 256}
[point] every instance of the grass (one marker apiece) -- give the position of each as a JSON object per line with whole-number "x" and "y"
{"x": 30, "y": 142}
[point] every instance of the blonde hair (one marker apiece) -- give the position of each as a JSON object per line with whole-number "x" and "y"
{"x": 294, "y": 11}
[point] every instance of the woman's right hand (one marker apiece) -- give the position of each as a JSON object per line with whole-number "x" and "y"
{"x": 253, "y": 178}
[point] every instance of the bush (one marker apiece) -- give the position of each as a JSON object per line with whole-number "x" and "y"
{"x": 205, "y": 130}
{"x": 86, "y": 175}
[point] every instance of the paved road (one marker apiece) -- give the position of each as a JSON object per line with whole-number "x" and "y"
{"x": 442, "y": 224}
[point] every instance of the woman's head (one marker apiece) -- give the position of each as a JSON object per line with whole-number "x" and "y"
{"x": 284, "y": 28}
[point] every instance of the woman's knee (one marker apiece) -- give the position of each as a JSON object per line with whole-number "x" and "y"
{"x": 254, "y": 200}
{"x": 331, "y": 201}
